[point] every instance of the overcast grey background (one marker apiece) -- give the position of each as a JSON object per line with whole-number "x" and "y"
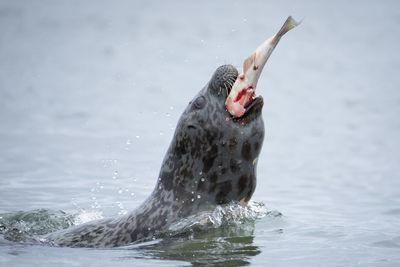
{"x": 90, "y": 92}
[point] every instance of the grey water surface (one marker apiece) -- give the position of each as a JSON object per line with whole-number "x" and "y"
{"x": 90, "y": 92}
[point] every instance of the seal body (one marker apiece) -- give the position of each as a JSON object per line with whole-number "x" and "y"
{"x": 211, "y": 160}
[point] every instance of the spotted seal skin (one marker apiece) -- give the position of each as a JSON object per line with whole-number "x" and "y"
{"x": 211, "y": 160}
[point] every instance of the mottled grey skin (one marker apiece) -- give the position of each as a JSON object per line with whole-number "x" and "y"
{"x": 211, "y": 160}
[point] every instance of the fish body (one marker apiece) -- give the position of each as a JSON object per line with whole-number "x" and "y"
{"x": 243, "y": 90}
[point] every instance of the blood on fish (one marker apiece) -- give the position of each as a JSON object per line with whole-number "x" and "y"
{"x": 240, "y": 95}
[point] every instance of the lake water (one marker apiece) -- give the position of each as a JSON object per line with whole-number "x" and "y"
{"x": 90, "y": 92}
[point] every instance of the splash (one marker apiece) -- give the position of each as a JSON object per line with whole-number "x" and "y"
{"x": 231, "y": 216}
{"x": 87, "y": 216}
{"x": 22, "y": 226}
{"x": 223, "y": 236}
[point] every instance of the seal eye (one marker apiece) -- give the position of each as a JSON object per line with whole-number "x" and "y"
{"x": 200, "y": 102}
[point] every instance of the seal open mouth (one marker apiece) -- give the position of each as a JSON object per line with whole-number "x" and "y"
{"x": 252, "y": 108}
{"x": 242, "y": 95}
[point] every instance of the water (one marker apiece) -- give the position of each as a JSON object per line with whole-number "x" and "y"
{"x": 90, "y": 93}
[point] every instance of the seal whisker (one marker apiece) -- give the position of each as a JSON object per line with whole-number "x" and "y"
{"x": 230, "y": 84}
{"x": 226, "y": 89}
{"x": 231, "y": 80}
{"x": 220, "y": 90}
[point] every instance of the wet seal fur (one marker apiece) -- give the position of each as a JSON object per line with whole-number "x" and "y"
{"x": 211, "y": 160}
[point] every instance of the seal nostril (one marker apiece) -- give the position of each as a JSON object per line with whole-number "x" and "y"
{"x": 191, "y": 127}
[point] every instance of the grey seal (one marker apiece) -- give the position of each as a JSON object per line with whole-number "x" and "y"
{"x": 212, "y": 160}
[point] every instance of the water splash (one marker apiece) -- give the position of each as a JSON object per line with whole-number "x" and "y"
{"x": 25, "y": 226}
{"x": 223, "y": 236}
{"x": 87, "y": 216}
{"x": 230, "y": 215}
{"x": 21, "y": 226}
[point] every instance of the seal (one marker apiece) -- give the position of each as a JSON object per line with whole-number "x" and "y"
{"x": 212, "y": 160}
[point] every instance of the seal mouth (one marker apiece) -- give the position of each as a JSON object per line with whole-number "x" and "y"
{"x": 247, "y": 98}
{"x": 253, "y": 109}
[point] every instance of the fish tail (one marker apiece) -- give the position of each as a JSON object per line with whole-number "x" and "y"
{"x": 289, "y": 24}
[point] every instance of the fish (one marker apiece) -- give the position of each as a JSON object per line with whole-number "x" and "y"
{"x": 243, "y": 90}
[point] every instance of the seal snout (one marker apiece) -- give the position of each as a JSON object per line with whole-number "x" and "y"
{"x": 223, "y": 79}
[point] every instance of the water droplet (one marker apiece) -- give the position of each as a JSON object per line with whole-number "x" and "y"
{"x": 202, "y": 179}
{"x": 101, "y": 186}
{"x": 171, "y": 108}
{"x": 132, "y": 194}
{"x": 128, "y": 142}
{"x": 192, "y": 199}
{"x": 137, "y": 136}
{"x": 120, "y": 191}
{"x": 192, "y": 192}
{"x": 198, "y": 196}
{"x": 201, "y": 173}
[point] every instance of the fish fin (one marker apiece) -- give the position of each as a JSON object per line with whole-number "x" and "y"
{"x": 249, "y": 62}
{"x": 289, "y": 24}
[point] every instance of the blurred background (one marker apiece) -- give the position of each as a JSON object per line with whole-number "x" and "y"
{"x": 90, "y": 93}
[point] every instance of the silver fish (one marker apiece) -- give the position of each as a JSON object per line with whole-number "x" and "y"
{"x": 243, "y": 90}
